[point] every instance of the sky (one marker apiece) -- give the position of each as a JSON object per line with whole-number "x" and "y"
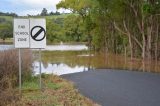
{"x": 32, "y": 7}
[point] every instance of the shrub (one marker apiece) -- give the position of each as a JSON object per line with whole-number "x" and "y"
{"x": 9, "y": 70}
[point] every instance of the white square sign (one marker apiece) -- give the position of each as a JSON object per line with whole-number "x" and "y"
{"x": 30, "y": 33}
{"x": 38, "y": 33}
{"x": 21, "y": 33}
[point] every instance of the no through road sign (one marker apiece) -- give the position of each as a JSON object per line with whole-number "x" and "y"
{"x": 38, "y": 33}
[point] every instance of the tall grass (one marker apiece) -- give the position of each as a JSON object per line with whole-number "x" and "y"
{"x": 9, "y": 73}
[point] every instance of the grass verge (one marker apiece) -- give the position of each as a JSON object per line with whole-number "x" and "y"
{"x": 56, "y": 92}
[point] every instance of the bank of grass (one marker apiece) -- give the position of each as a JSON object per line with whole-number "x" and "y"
{"x": 55, "y": 92}
{"x": 7, "y": 41}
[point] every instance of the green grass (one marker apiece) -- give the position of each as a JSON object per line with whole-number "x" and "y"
{"x": 56, "y": 92}
{"x": 30, "y": 86}
{"x": 54, "y": 86}
{"x": 8, "y": 18}
{"x": 32, "y": 83}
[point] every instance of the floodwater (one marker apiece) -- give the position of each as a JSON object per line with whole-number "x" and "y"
{"x": 60, "y": 62}
{"x": 66, "y": 47}
{"x": 6, "y": 47}
{"x": 52, "y": 47}
{"x": 66, "y": 59}
{"x": 66, "y": 62}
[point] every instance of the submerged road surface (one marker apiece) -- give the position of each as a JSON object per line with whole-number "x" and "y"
{"x": 118, "y": 88}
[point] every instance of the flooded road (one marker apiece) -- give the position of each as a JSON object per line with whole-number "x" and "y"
{"x": 66, "y": 62}
{"x": 58, "y": 68}
{"x": 66, "y": 59}
{"x": 61, "y": 47}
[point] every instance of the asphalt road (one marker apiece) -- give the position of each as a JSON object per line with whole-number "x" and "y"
{"x": 118, "y": 88}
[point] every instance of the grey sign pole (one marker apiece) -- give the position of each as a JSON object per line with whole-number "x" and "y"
{"x": 40, "y": 70}
{"x": 20, "y": 72}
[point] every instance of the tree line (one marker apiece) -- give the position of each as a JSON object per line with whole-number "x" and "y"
{"x": 8, "y": 14}
{"x": 120, "y": 26}
{"x": 45, "y": 12}
{"x": 60, "y": 28}
{"x": 69, "y": 29}
{"x": 6, "y": 29}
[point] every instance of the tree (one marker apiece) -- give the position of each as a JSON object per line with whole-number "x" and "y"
{"x": 56, "y": 13}
{"x": 44, "y": 12}
{"x": 81, "y": 7}
{"x": 74, "y": 30}
{"x": 120, "y": 25}
{"x": 55, "y": 30}
{"x": 5, "y": 31}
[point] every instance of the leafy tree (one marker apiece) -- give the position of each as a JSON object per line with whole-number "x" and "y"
{"x": 69, "y": 29}
{"x": 44, "y": 12}
{"x": 54, "y": 31}
{"x": 83, "y": 8}
{"x": 6, "y": 31}
{"x": 120, "y": 25}
{"x": 74, "y": 29}
{"x": 56, "y": 13}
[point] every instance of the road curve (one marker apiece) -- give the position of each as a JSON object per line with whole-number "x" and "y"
{"x": 118, "y": 88}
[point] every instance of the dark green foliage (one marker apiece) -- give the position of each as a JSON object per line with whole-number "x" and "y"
{"x": 69, "y": 29}
{"x": 56, "y": 13}
{"x": 8, "y": 14}
{"x": 2, "y": 20}
{"x": 44, "y": 12}
{"x": 120, "y": 26}
{"x": 6, "y": 29}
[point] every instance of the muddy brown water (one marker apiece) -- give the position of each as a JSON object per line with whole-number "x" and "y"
{"x": 66, "y": 62}
{"x": 66, "y": 59}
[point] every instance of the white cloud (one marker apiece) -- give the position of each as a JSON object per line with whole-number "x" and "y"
{"x": 36, "y": 3}
{"x": 33, "y": 7}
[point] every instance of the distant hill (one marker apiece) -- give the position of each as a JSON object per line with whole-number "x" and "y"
{"x": 9, "y": 18}
{"x": 8, "y": 14}
{"x": 59, "y": 28}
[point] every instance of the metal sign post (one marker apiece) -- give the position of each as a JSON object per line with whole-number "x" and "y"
{"x": 40, "y": 70}
{"x": 20, "y": 72}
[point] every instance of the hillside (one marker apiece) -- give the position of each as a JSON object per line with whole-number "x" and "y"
{"x": 67, "y": 28}
{"x": 9, "y": 18}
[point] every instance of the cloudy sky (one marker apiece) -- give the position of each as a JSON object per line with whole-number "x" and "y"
{"x": 32, "y": 7}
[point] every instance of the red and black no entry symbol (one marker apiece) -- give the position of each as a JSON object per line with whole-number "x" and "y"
{"x": 38, "y": 36}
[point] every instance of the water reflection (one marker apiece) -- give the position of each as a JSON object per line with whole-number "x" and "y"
{"x": 66, "y": 47}
{"x": 65, "y": 60}
{"x": 88, "y": 61}
{"x": 62, "y": 47}
{"x": 58, "y": 68}
{"x": 6, "y": 47}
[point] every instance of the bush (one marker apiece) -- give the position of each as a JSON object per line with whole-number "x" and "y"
{"x": 9, "y": 70}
